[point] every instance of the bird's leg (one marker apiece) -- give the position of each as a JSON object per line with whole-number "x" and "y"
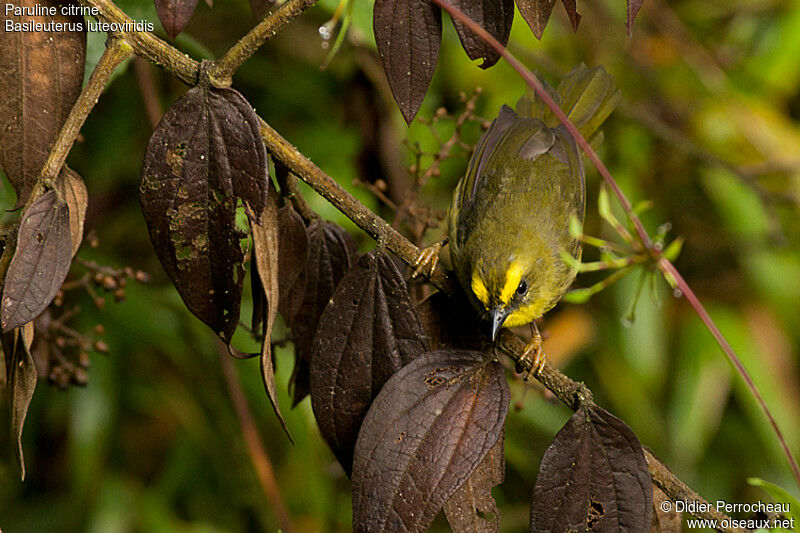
{"x": 428, "y": 258}
{"x": 533, "y": 353}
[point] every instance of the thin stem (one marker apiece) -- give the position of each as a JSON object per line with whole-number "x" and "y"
{"x": 669, "y": 269}
{"x": 255, "y": 447}
{"x": 665, "y": 265}
{"x": 239, "y": 53}
{"x": 602, "y": 243}
{"x": 117, "y": 51}
{"x": 596, "y": 266}
{"x": 291, "y": 191}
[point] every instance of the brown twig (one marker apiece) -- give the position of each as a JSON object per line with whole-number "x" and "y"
{"x": 255, "y": 447}
{"x": 224, "y": 67}
{"x": 148, "y": 46}
{"x": 291, "y": 191}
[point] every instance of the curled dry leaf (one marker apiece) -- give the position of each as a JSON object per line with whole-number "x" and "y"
{"x": 572, "y": 11}
{"x": 41, "y": 74}
{"x": 495, "y": 16}
{"x": 536, "y": 13}
{"x": 7, "y": 245}
{"x": 368, "y": 331}
{"x": 299, "y": 382}
{"x": 292, "y": 249}
{"x": 40, "y": 263}
{"x": 408, "y": 34}
{"x": 429, "y": 428}
{"x": 265, "y": 248}
{"x": 633, "y": 9}
{"x": 664, "y": 521}
{"x": 472, "y": 509}
{"x": 205, "y": 155}
{"x": 330, "y": 255}
{"x": 21, "y": 376}
{"x": 593, "y": 476}
{"x": 175, "y": 14}
{"x": 74, "y": 193}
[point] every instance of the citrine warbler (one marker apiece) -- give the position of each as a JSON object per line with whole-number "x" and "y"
{"x": 509, "y": 220}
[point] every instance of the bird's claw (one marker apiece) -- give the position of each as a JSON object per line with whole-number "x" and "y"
{"x": 427, "y": 260}
{"x": 533, "y": 355}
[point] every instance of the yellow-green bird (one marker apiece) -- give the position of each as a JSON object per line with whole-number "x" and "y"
{"x": 510, "y": 214}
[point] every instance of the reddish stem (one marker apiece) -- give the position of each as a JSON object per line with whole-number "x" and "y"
{"x": 255, "y": 447}
{"x": 691, "y": 297}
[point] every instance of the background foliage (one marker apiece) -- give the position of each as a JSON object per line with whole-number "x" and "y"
{"x": 708, "y": 130}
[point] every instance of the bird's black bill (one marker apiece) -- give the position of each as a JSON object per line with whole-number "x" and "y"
{"x": 498, "y": 317}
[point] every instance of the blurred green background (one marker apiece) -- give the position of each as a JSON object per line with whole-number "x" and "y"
{"x": 708, "y": 130}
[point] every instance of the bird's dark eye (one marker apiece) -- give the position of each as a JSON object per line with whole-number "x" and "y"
{"x": 522, "y": 288}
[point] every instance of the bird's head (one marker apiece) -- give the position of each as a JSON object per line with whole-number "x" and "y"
{"x": 510, "y": 291}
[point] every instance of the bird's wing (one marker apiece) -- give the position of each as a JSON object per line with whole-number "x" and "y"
{"x": 484, "y": 150}
{"x": 565, "y": 149}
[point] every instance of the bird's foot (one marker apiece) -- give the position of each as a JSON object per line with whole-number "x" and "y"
{"x": 427, "y": 260}
{"x": 533, "y": 358}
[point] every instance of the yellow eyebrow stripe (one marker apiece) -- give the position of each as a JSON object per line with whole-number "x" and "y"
{"x": 513, "y": 277}
{"x": 479, "y": 289}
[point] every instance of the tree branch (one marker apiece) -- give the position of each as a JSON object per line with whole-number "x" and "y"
{"x": 225, "y": 66}
{"x": 147, "y": 45}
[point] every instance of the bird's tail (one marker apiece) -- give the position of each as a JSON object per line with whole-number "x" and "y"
{"x": 587, "y": 96}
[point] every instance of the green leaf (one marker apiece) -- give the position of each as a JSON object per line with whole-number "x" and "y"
{"x": 780, "y": 495}
{"x": 674, "y": 249}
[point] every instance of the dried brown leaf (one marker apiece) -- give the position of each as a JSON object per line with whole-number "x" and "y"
{"x": 265, "y": 248}
{"x": 633, "y": 9}
{"x": 408, "y": 34}
{"x": 472, "y": 509}
{"x": 494, "y": 16}
{"x": 572, "y": 11}
{"x": 593, "y": 477}
{"x": 292, "y": 251}
{"x": 299, "y": 386}
{"x": 175, "y": 14}
{"x": 41, "y": 74}
{"x": 429, "y": 428}
{"x": 536, "y": 13}
{"x": 21, "y": 374}
{"x": 664, "y": 521}
{"x": 368, "y": 331}
{"x": 40, "y": 263}
{"x": 329, "y": 255}
{"x": 74, "y": 193}
{"x": 205, "y": 155}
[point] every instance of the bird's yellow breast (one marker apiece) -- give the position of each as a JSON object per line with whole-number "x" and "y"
{"x": 526, "y": 313}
